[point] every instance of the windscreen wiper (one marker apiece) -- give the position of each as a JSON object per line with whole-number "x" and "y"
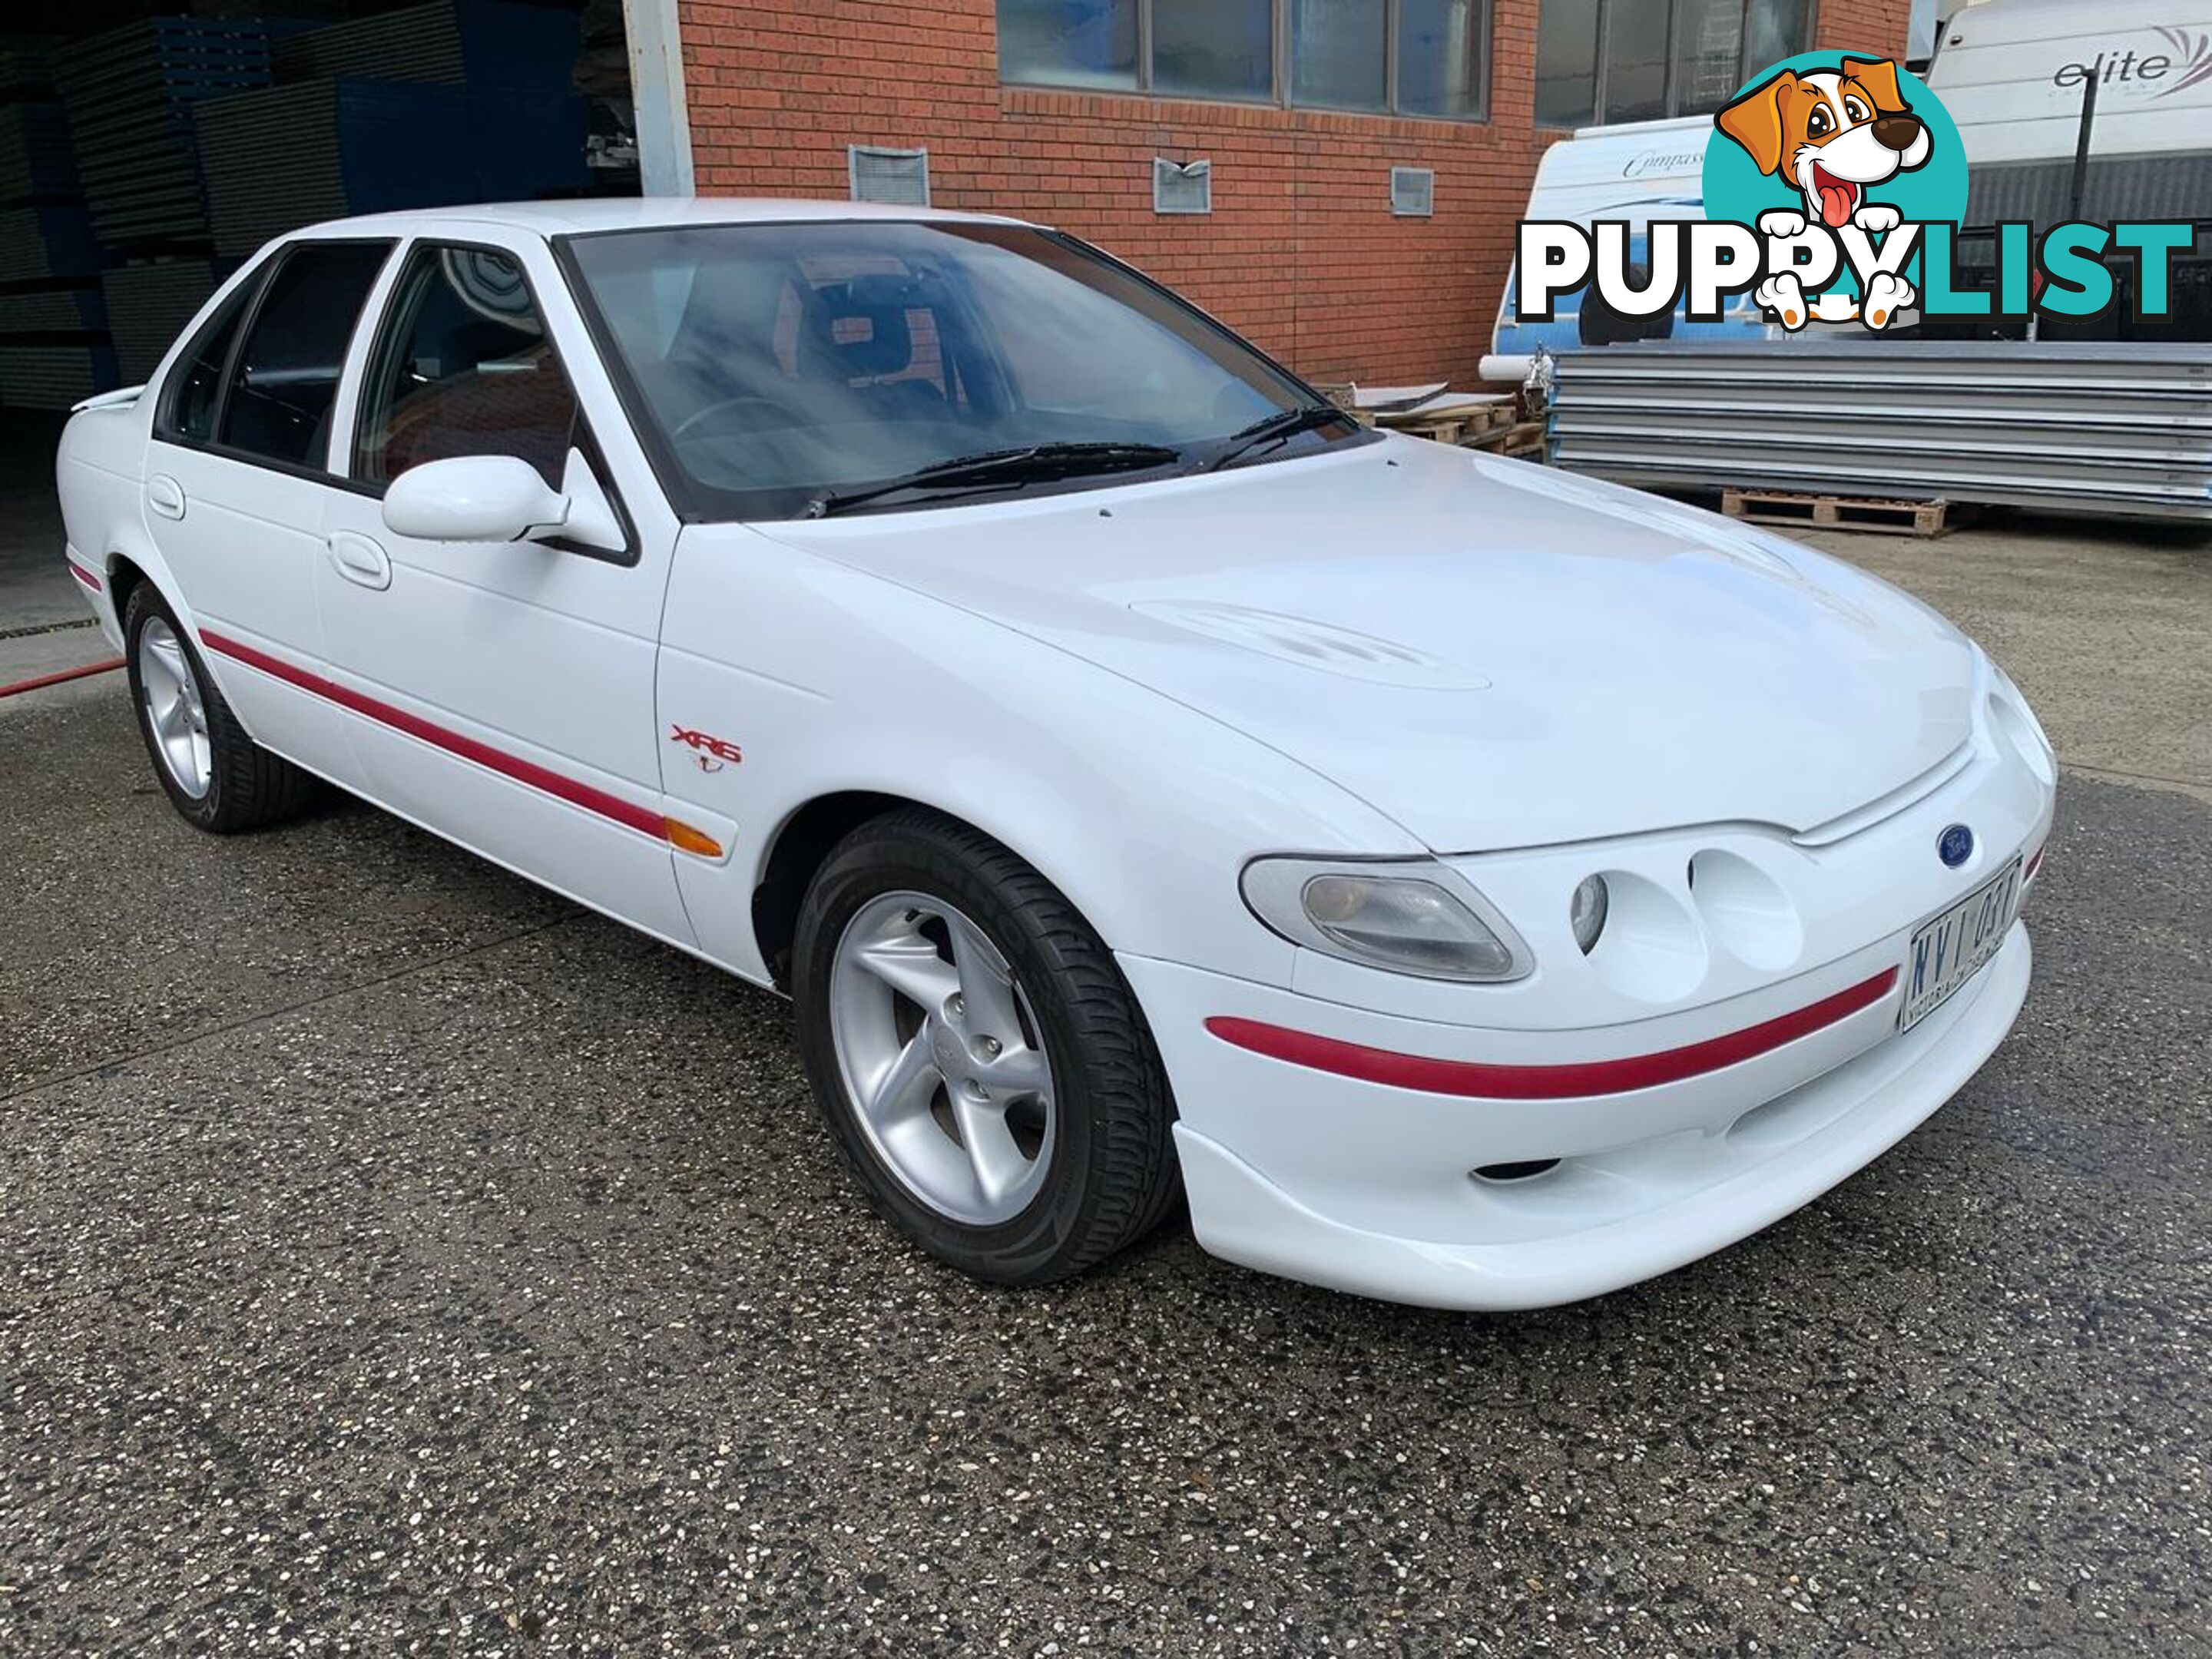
{"x": 1031, "y": 463}
{"x": 1305, "y": 418}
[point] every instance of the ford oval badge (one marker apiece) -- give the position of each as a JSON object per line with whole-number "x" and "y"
{"x": 1955, "y": 845}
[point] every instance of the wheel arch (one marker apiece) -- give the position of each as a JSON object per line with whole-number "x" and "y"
{"x": 795, "y": 851}
{"x": 123, "y": 576}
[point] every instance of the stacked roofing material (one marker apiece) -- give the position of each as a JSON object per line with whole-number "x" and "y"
{"x": 130, "y": 94}
{"x": 74, "y": 309}
{"x": 53, "y": 343}
{"x": 449, "y": 42}
{"x": 2075, "y": 426}
{"x": 149, "y": 305}
{"x": 53, "y": 376}
{"x": 373, "y": 146}
{"x": 35, "y": 156}
{"x": 455, "y": 101}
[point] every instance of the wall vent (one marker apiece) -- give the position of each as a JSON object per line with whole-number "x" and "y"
{"x": 899, "y": 177}
{"x": 1181, "y": 186}
{"x": 1413, "y": 192}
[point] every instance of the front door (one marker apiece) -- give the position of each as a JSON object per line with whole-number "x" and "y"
{"x": 505, "y": 691}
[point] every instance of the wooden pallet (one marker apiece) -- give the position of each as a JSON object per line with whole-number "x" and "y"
{"x": 1879, "y": 515}
{"x": 1519, "y": 440}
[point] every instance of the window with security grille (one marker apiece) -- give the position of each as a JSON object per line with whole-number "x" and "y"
{"x": 1412, "y": 192}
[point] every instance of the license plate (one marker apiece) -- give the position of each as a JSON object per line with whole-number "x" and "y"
{"x": 1949, "y": 949}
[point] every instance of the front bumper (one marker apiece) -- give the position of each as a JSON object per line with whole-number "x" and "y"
{"x": 1370, "y": 1188}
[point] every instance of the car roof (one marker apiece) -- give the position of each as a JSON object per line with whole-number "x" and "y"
{"x": 582, "y": 217}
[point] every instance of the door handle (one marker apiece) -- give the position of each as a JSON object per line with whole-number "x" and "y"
{"x": 360, "y": 560}
{"x": 166, "y": 495}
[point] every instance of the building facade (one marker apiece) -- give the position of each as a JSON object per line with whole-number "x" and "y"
{"x": 1094, "y": 115}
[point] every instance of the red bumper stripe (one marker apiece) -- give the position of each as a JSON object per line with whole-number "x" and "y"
{"x": 1475, "y": 1081}
{"x": 626, "y": 813}
{"x": 83, "y": 575}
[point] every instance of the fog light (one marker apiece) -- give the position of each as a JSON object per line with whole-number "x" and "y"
{"x": 1586, "y": 913}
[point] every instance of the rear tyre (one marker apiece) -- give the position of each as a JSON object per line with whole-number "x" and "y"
{"x": 982, "y": 1064}
{"x": 217, "y": 777}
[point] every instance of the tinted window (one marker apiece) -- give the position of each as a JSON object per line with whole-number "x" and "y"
{"x": 463, "y": 368}
{"x": 196, "y": 383}
{"x": 287, "y": 379}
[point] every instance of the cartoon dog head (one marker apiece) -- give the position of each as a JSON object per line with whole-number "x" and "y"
{"x": 1831, "y": 133}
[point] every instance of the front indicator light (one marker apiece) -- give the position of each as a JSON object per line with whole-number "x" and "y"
{"x": 681, "y": 836}
{"x": 1412, "y": 917}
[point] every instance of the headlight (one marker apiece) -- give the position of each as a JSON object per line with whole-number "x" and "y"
{"x": 1412, "y": 917}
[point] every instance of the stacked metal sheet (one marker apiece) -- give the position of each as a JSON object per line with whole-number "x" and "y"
{"x": 2074, "y": 426}
{"x": 449, "y": 42}
{"x": 129, "y": 94}
{"x": 41, "y": 244}
{"x": 53, "y": 376}
{"x": 374, "y": 146}
{"x": 76, "y": 309}
{"x": 350, "y": 147}
{"x": 148, "y": 306}
{"x": 26, "y": 66}
{"x": 35, "y": 157}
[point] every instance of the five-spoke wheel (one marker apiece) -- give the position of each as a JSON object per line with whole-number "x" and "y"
{"x": 213, "y": 773}
{"x": 938, "y": 1047}
{"x": 983, "y": 1063}
{"x": 175, "y": 710}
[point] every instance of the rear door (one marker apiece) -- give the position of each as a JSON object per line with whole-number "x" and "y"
{"x": 505, "y": 691}
{"x": 237, "y": 482}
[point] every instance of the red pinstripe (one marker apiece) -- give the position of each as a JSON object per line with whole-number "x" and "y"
{"x": 577, "y": 794}
{"x": 1475, "y": 1081}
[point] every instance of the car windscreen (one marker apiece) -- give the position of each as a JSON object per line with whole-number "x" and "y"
{"x": 775, "y": 364}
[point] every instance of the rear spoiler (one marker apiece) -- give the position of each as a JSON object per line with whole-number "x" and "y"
{"x": 121, "y": 397}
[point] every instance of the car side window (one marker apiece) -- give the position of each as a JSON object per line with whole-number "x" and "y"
{"x": 194, "y": 388}
{"x": 462, "y": 366}
{"x": 278, "y": 405}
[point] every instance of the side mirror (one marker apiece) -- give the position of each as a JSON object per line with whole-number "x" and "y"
{"x": 473, "y": 498}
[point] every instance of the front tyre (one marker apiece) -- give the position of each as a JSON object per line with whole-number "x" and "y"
{"x": 218, "y": 778}
{"x": 980, "y": 1059}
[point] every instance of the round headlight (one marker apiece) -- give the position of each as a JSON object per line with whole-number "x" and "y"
{"x": 1586, "y": 911}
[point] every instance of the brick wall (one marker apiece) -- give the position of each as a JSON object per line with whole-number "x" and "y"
{"x": 1301, "y": 251}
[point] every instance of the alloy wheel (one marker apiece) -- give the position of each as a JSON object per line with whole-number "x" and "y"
{"x": 942, "y": 1059}
{"x": 176, "y": 712}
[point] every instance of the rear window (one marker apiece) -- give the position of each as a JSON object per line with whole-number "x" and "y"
{"x": 277, "y": 402}
{"x": 194, "y": 388}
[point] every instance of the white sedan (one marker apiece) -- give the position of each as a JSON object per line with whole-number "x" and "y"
{"x": 1467, "y": 884}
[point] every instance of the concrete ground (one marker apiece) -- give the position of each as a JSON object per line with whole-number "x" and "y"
{"x": 45, "y": 628}
{"x": 397, "y": 1258}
